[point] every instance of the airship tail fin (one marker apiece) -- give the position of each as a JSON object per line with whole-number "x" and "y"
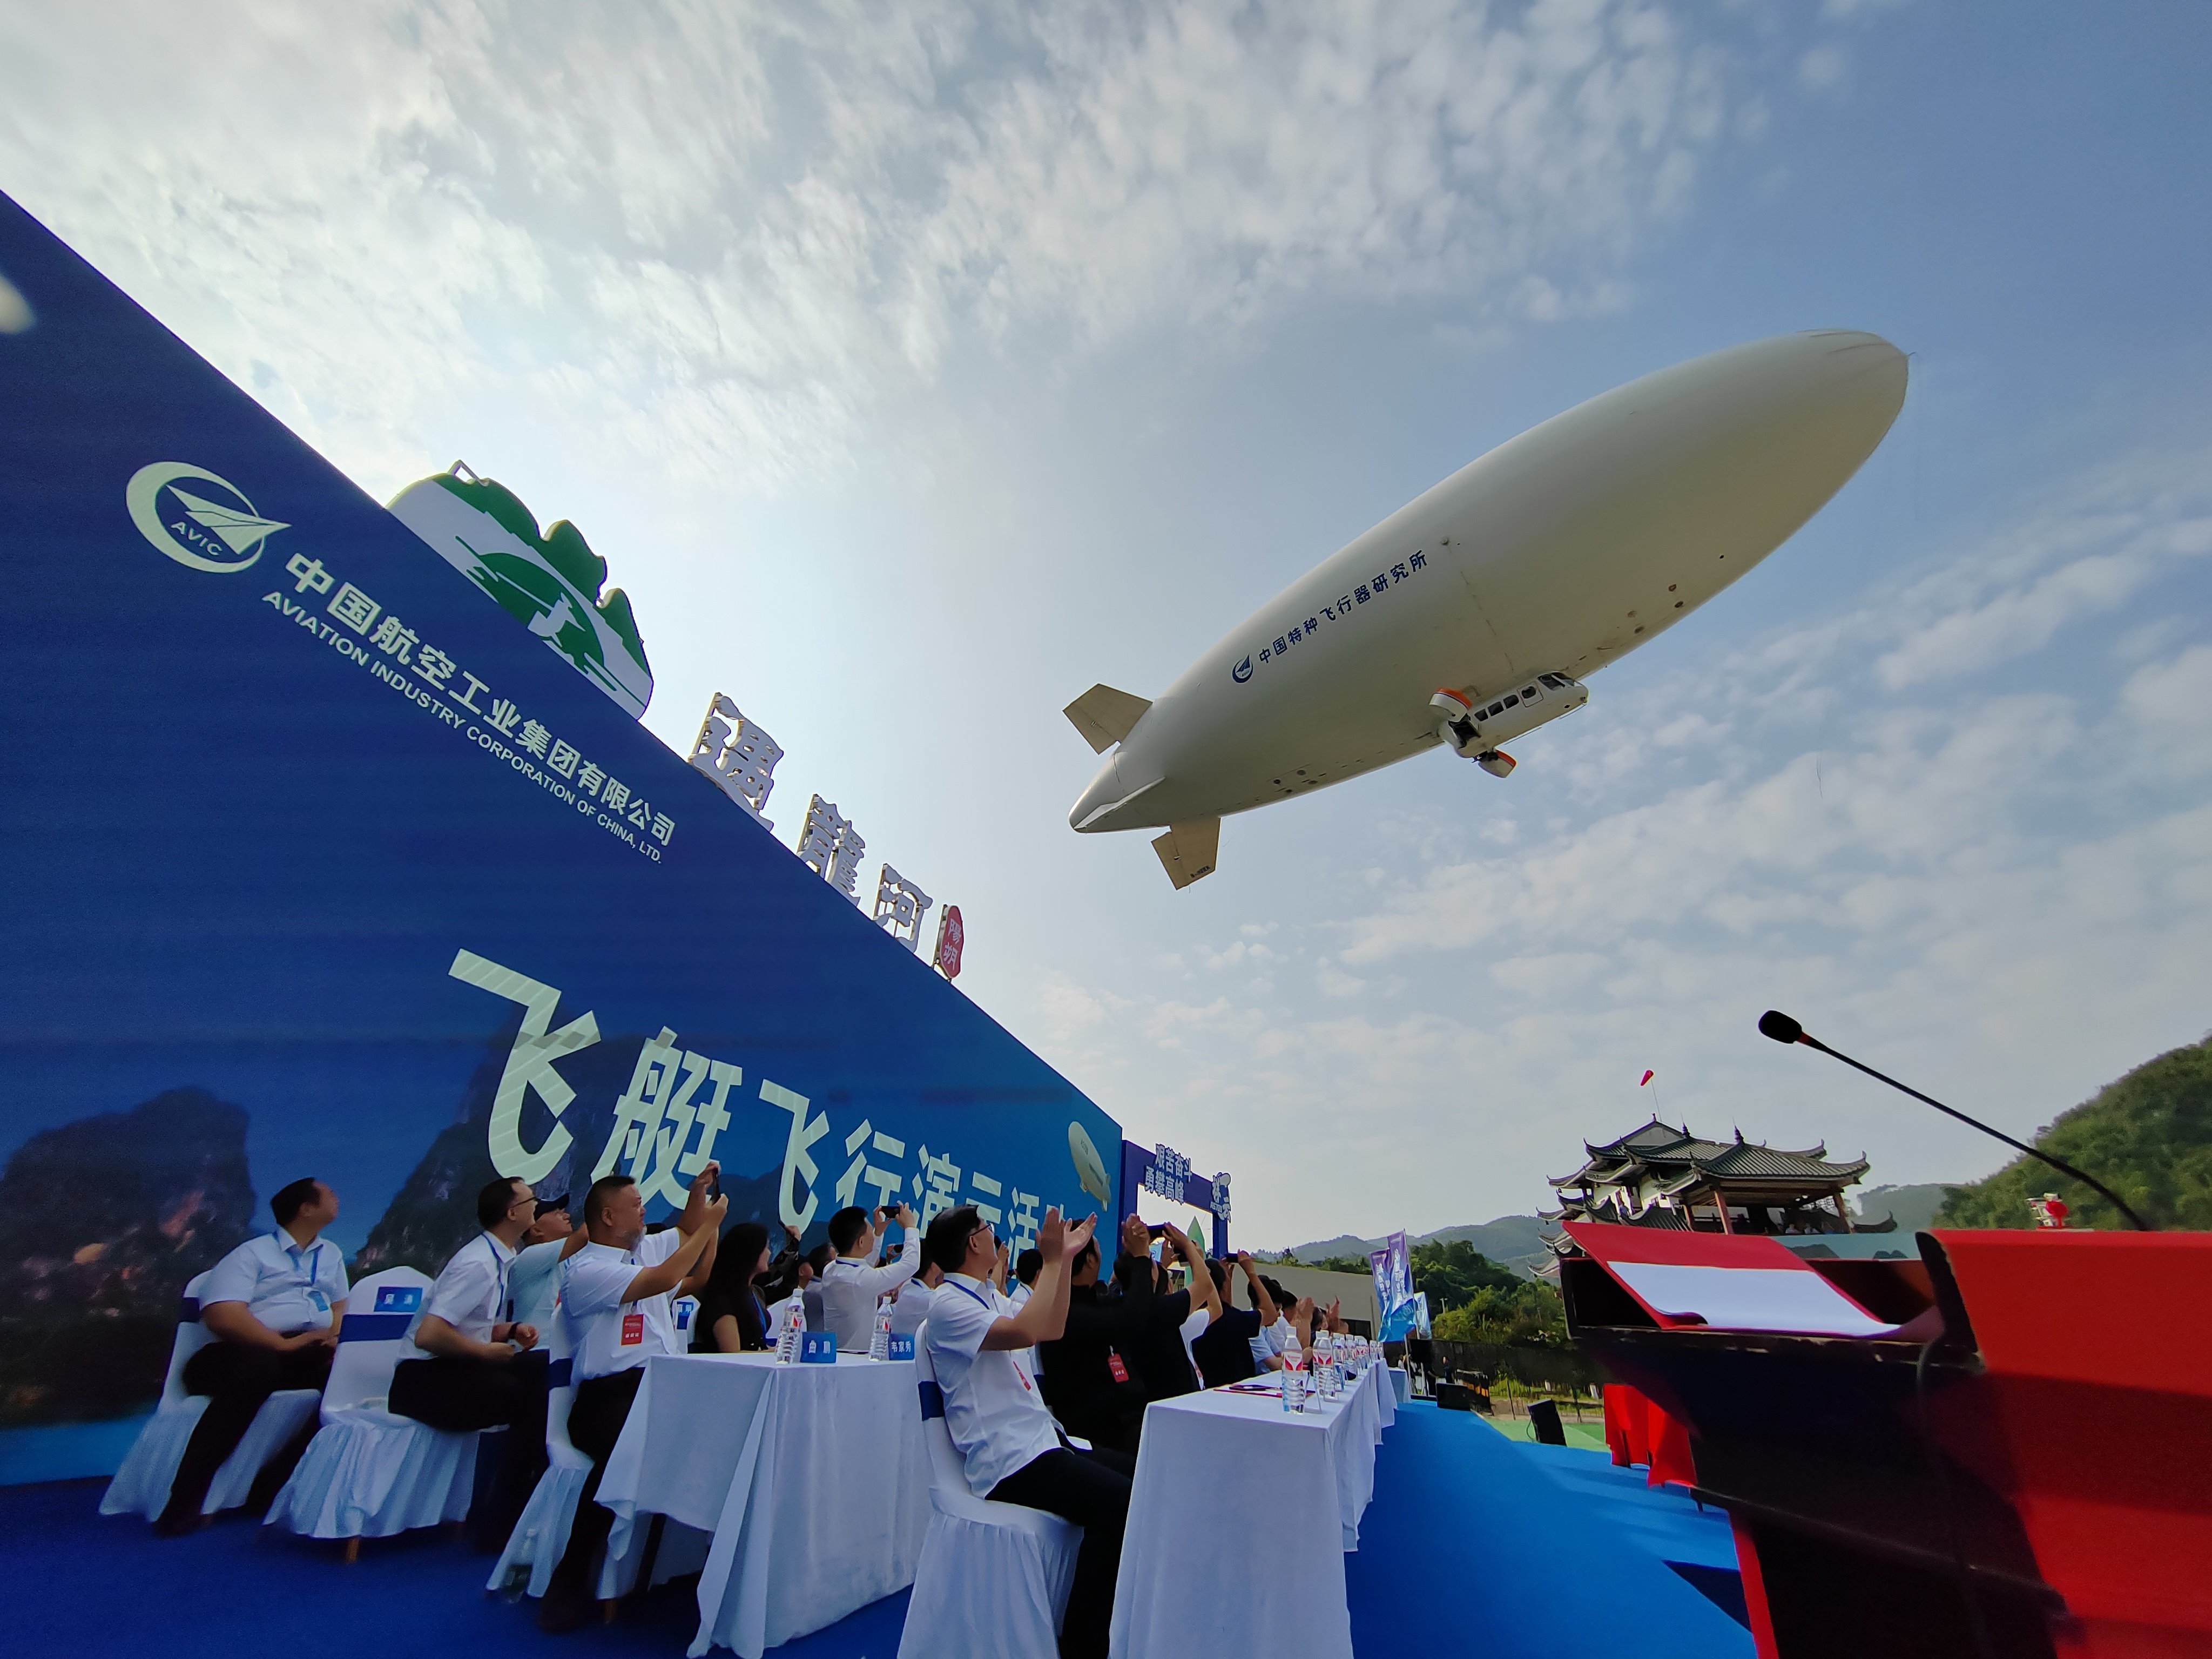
{"x": 1188, "y": 850}
{"x": 1105, "y": 716}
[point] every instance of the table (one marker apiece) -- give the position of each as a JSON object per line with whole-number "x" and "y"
{"x": 1290, "y": 1487}
{"x": 813, "y": 1480}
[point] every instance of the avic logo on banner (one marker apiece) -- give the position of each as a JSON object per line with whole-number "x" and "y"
{"x": 210, "y": 526}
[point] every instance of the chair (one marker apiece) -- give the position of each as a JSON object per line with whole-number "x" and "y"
{"x": 992, "y": 1579}
{"x": 368, "y": 1473}
{"x": 142, "y": 1485}
{"x": 534, "y": 1547}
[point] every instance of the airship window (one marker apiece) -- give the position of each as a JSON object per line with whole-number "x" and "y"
{"x": 1529, "y": 691}
{"x": 1510, "y": 699}
{"x": 1496, "y": 706}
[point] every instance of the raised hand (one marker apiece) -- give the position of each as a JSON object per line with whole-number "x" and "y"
{"x": 1051, "y": 1235}
{"x": 1136, "y": 1238}
{"x": 707, "y": 1177}
{"x": 1077, "y": 1236}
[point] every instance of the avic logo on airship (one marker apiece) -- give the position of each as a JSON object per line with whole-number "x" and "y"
{"x": 198, "y": 518}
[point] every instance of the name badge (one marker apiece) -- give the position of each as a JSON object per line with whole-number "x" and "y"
{"x": 902, "y": 1345}
{"x": 632, "y": 1329}
{"x": 817, "y": 1347}
{"x": 1113, "y": 1365}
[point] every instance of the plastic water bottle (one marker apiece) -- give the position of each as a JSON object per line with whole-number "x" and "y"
{"x": 879, "y": 1344}
{"x": 1294, "y": 1375}
{"x": 795, "y": 1323}
{"x": 1330, "y": 1373}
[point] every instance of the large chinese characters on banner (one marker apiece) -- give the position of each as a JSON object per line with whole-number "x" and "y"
{"x": 319, "y": 863}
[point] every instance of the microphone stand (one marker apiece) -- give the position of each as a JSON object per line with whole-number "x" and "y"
{"x": 1783, "y": 1028}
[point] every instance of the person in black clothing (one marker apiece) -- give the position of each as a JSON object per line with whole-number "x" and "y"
{"x": 1156, "y": 1314}
{"x": 1223, "y": 1349}
{"x": 732, "y": 1318}
{"x": 1087, "y": 1377}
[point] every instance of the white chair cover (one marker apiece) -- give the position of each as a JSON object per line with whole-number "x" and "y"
{"x": 369, "y": 1474}
{"x": 534, "y": 1547}
{"x": 142, "y": 1485}
{"x": 993, "y": 1580}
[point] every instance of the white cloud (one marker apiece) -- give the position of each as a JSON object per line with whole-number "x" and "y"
{"x": 730, "y": 232}
{"x": 1823, "y": 69}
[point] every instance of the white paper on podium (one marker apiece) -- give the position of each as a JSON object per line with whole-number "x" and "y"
{"x": 1798, "y": 1301}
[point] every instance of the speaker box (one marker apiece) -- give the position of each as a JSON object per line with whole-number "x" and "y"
{"x": 1455, "y": 1396}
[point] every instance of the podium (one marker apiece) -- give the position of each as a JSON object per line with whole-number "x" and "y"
{"x": 2023, "y": 1468}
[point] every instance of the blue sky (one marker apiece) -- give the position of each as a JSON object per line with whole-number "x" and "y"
{"x": 916, "y": 367}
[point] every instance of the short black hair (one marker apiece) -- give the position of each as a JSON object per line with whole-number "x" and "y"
{"x": 292, "y": 1198}
{"x": 1030, "y": 1263}
{"x": 602, "y": 1189}
{"x": 819, "y": 1258}
{"x": 848, "y": 1224}
{"x": 1088, "y": 1252}
{"x": 1219, "y": 1269}
{"x": 944, "y": 1246}
{"x": 494, "y": 1200}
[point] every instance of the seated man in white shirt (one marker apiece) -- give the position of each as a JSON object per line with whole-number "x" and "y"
{"x": 911, "y": 1306}
{"x": 850, "y": 1287}
{"x": 617, "y": 1294}
{"x": 484, "y": 1368}
{"x": 273, "y": 1305}
{"x": 533, "y": 1278}
{"x": 1012, "y": 1450}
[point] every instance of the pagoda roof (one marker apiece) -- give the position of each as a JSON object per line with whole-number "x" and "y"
{"x": 1676, "y": 1157}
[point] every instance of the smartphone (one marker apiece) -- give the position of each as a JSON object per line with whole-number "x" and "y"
{"x": 1157, "y": 1230}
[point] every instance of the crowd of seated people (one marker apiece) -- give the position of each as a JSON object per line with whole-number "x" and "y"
{"x": 1047, "y": 1358}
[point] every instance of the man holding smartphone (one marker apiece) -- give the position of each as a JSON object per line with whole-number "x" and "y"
{"x": 617, "y": 1294}
{"x": 850, "y": 1286}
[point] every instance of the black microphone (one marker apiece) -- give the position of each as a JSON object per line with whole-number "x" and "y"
{"x": 1779, "y": 1026}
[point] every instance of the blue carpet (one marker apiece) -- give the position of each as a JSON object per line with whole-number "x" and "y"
{"x": 1473, "y": 1542}
{"x": 1477, "y": 1543}
{"x": 79, "y": 1583}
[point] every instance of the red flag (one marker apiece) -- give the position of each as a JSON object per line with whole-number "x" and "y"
{"x": 1647, "y": 1078}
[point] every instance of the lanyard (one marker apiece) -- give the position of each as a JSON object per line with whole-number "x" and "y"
{"x": 970, "y": 1295}
{"x": 314, "y": 1263}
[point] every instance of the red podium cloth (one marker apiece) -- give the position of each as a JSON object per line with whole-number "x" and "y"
{"x": 1639, "y": 1430}
{"x": 2096, "y": 1424}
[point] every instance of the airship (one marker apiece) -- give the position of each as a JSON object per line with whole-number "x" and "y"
{"x": 1478, "y": 612}
{"x": 1090, "y": 1168}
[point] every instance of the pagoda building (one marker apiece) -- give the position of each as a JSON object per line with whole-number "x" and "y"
{"x": 1660, "y": 1176}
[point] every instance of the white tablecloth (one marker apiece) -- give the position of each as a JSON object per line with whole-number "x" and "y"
{"x": 1290, "y": 1486}
{"x": 813, "y": 1479}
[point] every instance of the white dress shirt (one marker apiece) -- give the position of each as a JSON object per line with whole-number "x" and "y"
{"x": 911, "y": 1307}
{"x": 533, "y": 1284}
{"x": 849, "y": 1290}
{"x": 471, "y": 1294}
{"x": 998, "y": 1420}
{"x": 286, "y": 1286}
{"x": 607, "y": 1334}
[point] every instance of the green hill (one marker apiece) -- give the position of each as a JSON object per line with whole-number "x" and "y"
{"x": 2148, "y": 1137}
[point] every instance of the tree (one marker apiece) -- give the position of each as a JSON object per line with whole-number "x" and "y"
{"x": 2148, "y": 1136}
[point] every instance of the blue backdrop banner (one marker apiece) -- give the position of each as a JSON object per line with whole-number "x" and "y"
{"x": 318, "y": 863}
